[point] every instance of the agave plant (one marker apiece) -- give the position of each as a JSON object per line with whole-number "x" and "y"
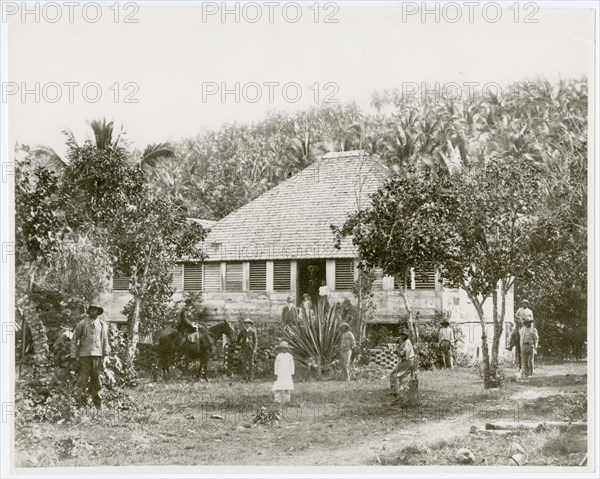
{"x": 315, "y": 337}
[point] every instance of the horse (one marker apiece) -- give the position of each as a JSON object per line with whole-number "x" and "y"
{"x": 172, "y": 342}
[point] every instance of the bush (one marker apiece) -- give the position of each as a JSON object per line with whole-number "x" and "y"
{"x": 49, "y": 398}
{"x": 315, "y": 339}
{"x": 427, "y": 348}
{"x": 53, "y": 396}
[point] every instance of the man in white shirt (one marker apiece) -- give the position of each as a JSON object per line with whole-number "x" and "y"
{"x": 324, "y": 293}
{"x": 446, "y": 343}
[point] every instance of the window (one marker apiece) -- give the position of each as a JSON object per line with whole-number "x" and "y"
{"x": 212, "y": 276}
{"x": 177, "y": 272}
{"x": 233, "y": 277}
{"x": 281, "y": 276}
{"x": 425, "y": 279}
{"x": 192, "y": 277}
{"x": 377, "y": 279}
{"x": 121, "y": 283}
{"x": 344, "y": 274}
{"x": 258, "y": 275}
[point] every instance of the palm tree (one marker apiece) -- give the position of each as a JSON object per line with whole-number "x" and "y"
{"x": 103, "y": 131}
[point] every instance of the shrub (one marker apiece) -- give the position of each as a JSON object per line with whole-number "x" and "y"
{"x": 427, "y": 348}
{"x": 315, "y": 339}
{"x": 49, "y": 398}
{"x": 53, "y": 396}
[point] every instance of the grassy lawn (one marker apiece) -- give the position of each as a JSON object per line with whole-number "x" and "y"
{"x": 329, "y": 423}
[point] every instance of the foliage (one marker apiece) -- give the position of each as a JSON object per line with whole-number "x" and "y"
{"x": 118, "y": 371}
{"x": 39, "y": 229}
{"x": 365, "y": 310}
{"x": 49, "y": 398}
{"x": 79, "y": 272}
{"x": 53, "y": 396}
{"x": 404, "y": 227}
{"x": 143, "y": 231}
{"x": 38, "y": 223}
{"x": 315, "y": 338}
{"x": 267, "y": 417}
{"x": 429, "y": 350}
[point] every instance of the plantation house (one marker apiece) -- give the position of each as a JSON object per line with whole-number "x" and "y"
{"x": 281, "y": 245}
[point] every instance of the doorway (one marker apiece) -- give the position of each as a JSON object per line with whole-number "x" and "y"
{"x": 310, "y": 274}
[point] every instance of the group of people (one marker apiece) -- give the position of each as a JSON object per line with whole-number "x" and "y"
{"x": 90, "y": 347}
{"x": 291, "y": 312}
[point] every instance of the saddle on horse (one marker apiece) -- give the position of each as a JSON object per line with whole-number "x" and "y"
{"x": 193, "y": 337}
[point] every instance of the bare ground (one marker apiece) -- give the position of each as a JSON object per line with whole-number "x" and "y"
{"x": 333, "y": 424}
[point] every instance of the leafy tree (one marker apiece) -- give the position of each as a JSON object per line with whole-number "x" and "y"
{"x": 39, "y": 230}
{"x": 488, "y": 236}
{"x": 404, "y": 227}
{"x": 143, "y": 232}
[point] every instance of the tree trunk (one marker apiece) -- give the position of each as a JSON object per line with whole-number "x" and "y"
{"x": 498, "y": 327}
{"x": 360, "y": 313}
{"x": 39, "y": 338}
{"x": 403, "y": 283}
{"x": 485, "y": 355}
{"x": 134, "y": 327}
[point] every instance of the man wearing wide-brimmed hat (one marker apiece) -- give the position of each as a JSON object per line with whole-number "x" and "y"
{"x": 446, "y": 343}
{"x": 284, "y": 370}
{"x": 89, "y": 345}
{"x": 289, "y": 315}
{"x": 529, "y": 344}
{"x": 248, "y": 338}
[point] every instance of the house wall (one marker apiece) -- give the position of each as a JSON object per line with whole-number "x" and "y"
{"x": 266, "y": 306}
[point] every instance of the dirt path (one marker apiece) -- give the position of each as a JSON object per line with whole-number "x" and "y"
{"x": 368, "y": 451}
{"x": 545, "y": 384}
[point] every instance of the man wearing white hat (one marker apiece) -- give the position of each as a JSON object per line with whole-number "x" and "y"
{"x": 248, "y": 338}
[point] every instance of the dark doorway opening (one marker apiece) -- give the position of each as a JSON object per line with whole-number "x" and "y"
{"x": 310, "y": 274}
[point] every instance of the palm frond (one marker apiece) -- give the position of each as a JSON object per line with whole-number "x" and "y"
{"x": 155, "y": 153}
{"x": 103, "y": 133}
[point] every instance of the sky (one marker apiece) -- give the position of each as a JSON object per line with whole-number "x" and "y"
{"x": 187, "y": 67}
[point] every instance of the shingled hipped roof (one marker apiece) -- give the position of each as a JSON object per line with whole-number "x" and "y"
{"x": 292, "y": 220}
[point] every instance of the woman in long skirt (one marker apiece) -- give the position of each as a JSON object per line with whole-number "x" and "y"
{"x": 284, "y": 370}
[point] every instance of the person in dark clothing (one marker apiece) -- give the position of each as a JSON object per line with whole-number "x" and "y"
{"x": 248, "y": 338}
{"x": 186, "y": 326}
{"x": 289, "y": 315}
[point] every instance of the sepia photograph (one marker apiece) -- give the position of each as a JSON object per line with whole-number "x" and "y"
{"x": 263, "y": 239}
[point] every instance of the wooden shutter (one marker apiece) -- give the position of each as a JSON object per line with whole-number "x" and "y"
{"x": 425, "y": 279}
{"x": 121, "y": 283}
{"x": 281, "y": 276}
{"x": 233, "y": 277}
{"x": 212, "y": 276}
{"x": 177, "y": 272}
{"x": 258, "y": 275}
{"x": 192, "y": 277}
{"x": 344, "y": 274}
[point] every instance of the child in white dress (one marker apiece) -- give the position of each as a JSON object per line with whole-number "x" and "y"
{"x": 284, "y": 370}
